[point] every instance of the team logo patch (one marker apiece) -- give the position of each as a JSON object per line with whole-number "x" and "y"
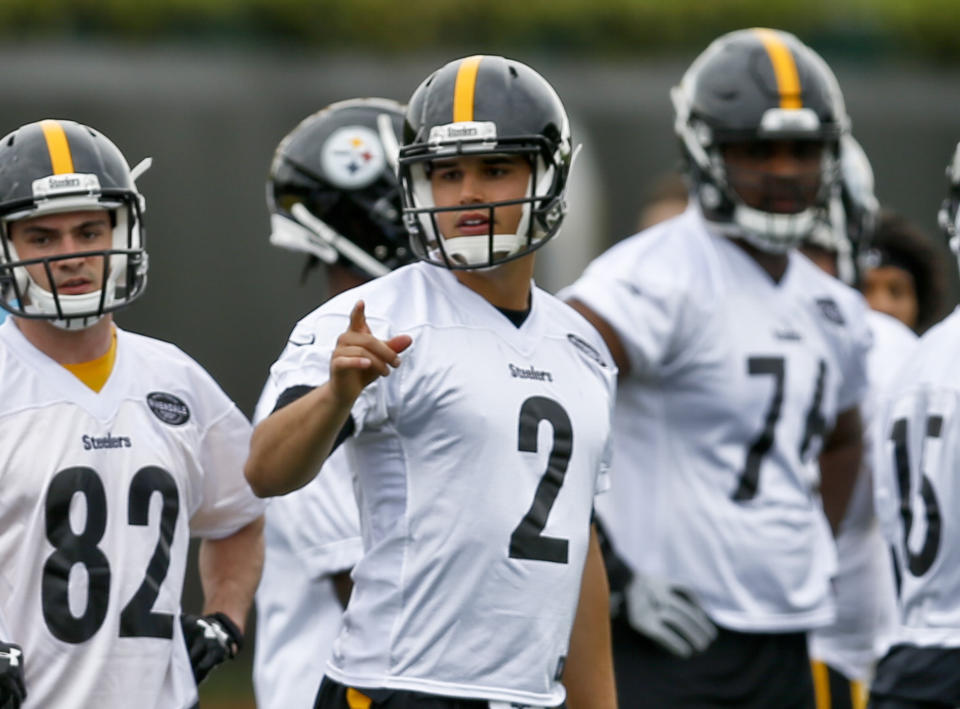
{"x": 352, "y": 157}
{"x": 830, "y": 310}
{"x": 586, "y": 348}
{"x": 168, "y": 408}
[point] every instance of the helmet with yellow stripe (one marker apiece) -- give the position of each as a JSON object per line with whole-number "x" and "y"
{"x": 756, "y": 93}
{"x": 57, "y": 166}
{"x": 485, "y": 106}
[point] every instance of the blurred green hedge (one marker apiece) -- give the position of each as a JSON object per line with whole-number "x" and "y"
{"x": 926, "y": 28}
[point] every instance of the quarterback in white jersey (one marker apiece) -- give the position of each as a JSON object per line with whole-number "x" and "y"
{"x": 478, "y": 457}
{"x": 352, "y": 225}
{"x": 740, "y": 363}
{"x": 116, "y": 448}
{"x": 916, "y": 487}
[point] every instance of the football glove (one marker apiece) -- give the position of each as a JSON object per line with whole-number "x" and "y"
{"x": 668, "y": 616}
{"x": 12, "y": 689}
{"x": 211, "y": 639}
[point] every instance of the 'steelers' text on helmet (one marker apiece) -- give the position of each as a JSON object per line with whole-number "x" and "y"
{"x": 949, "y": 215}
{"x": 485, "y": 105}
{"x": 333, "y": 192}
{"x": 56, "y": 166}
{"x": 758, "y": 85}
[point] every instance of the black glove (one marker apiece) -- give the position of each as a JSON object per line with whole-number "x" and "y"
{"x": 12, "y": 689}
{"x": 211, "y": 639}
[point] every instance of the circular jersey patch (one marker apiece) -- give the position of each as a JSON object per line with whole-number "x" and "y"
{"x": 168, "y": 408}
{"x": 352, "y": 157}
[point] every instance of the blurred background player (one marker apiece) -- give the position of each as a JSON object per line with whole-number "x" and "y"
{"x": 476, "y": 519}
{"x": 903, "y": 273}
{"x": 118, "y": 447}
{"x": 339, "y": 165}
{"x": 740, "y": 363}
{"x": 844, "y": 652}
{"x": 918, "y": 449}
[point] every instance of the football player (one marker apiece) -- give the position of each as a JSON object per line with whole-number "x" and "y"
{"x": 332, "y": 193}
{"x": 903, "y": 273}
{"x": 918, "y": 451}
{"x": 740, "y": 363}
{"x": 116, "y": 449}
{"x": 843, "y": 653}
{"x": 478, "y": 457}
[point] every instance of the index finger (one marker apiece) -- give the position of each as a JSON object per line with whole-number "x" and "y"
{"x": 358, "y": 321}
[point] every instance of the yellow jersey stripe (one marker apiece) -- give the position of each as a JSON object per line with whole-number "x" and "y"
{"x": 821, "y": 684}
{"x": 357, "y": 700}
{"x": 57, "y": 145}
{"x": 465, "y": 89}
{"x": 95, "y": 373}
{"x": 784, "y": 68}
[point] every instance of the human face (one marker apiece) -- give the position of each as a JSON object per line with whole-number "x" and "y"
{"x": 777, "y": 176}
{"x": 891, "y": 290}
{"x": 479, "y": 179}
{"x": 53, "y": 236}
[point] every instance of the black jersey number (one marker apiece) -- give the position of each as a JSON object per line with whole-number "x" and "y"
{"x": 815, "y": 422}
{"x": 72, "y": 548}
{"x": 528, "y": 540}
{"x": 917, "y": 564}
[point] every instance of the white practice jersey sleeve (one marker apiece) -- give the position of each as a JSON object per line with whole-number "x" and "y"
{"x": 477, "y": 463}
{"x": 100, "y": 494}
{"x": 917, "y": 488}
{"x": 734, "y": 381}
{"x": 863, "y": 585}
{"x": 310, "y": 535}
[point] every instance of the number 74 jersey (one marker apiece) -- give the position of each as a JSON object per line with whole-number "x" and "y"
{"x": 99, "y": 494}
{"x": 917, "y": 488}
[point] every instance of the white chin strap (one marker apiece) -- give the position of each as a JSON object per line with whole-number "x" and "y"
{"x": 770, "y": 232}
{"x": 41, "y": 302}
{"x": 475, "y": 251}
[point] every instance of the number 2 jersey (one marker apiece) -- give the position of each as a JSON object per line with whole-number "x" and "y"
{"x": 99, "y": 494}
{"x": 477, "y": 462}
{"x": 733, "y": 381}
{"x": 917, "y": 488}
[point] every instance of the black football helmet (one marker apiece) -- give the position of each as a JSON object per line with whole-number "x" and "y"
{"x": 759, "y": 85}
{"x": 485, "y": 105}
{"x": 846, "y": 227}
{"x": 55, "y": 166}
{"x": 332, "y": 190}
{"x": 949, "y": 215}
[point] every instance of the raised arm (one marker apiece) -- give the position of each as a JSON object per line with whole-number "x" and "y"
{"x": 290, "y": 445}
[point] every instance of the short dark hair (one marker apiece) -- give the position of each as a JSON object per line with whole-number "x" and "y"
{"x": 898, "y": 242}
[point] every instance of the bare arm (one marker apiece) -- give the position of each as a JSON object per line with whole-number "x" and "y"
{"x": 609, "y": 335}
{"x": 230, "y": 571}
{"x": 290, "y": 445}
{"x": 589, "y": 672}
{"x": 840, "y": 463}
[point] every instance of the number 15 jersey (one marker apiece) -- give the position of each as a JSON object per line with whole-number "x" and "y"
{"x": 99, "y": 494}
{"x": 734, "y": 380}
{"x": 477, "y": 461}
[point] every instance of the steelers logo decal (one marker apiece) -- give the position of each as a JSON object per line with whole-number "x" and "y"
{"x": 352, "y": 157}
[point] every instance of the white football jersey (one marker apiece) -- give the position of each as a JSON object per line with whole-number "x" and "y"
{"x": 310, "y": 535}
{"x": 733, "y": 381}
{"x": 863, "y": 585}
{"x": 100, "y": 494}
{"x": 477, "y": 463}
{"x": 917, "y": 488}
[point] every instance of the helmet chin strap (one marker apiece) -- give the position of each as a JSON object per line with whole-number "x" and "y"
{"x": 774, "y": 233}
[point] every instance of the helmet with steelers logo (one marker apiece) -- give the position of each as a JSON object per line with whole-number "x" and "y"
{"x": 332, "y": 189}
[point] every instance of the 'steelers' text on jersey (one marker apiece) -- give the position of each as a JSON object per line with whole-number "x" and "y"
{"x": 477, "y": 461}
{"x": 734, "y": 381}
{"x": 100, "y": 494}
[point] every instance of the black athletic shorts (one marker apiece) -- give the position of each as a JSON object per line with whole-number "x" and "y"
{"x": 910, "y": 677}
{"x": 742, "y": 670}
{"x": 333, "y": 695}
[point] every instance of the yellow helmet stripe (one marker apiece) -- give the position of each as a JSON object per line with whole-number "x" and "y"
{"x": 784, "y": 68}
{"x": 357, "y": 700}
{"x": 465, "y": 89}
{"x": 57, "y": 145}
